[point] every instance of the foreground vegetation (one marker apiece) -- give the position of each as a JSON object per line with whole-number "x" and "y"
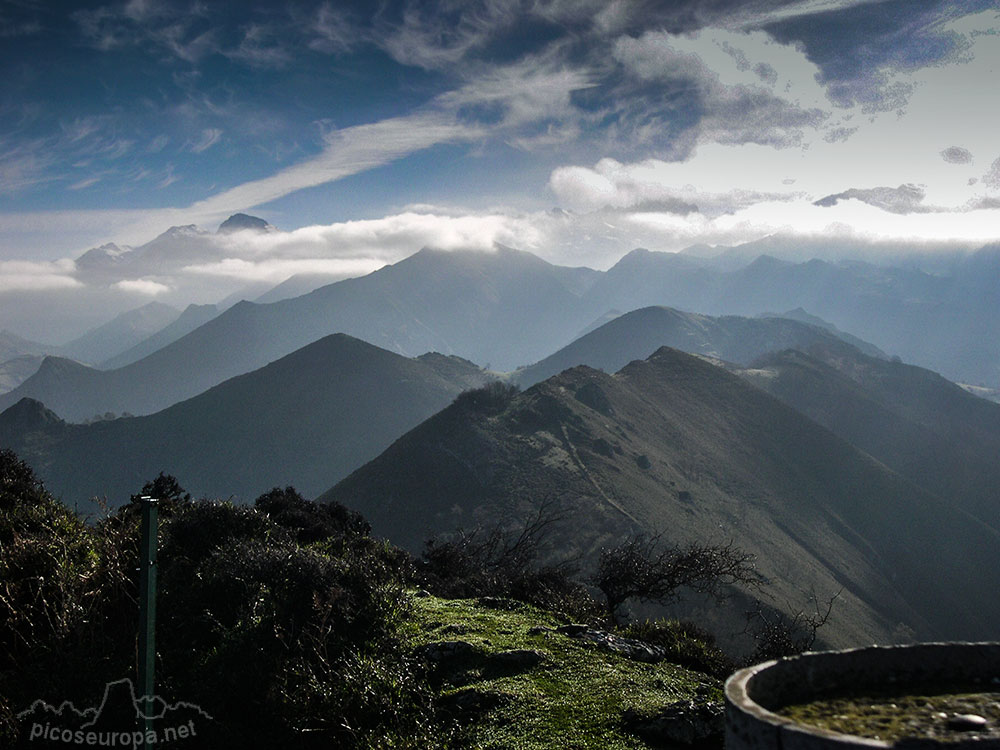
{"x": 286, "y": 622}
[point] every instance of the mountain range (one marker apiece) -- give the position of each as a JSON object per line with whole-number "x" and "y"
{"x": 947, "y": 322}
{"x": 675, "y": 444}
{"x": 307, "y": 419}
{"x": 507, "y": 308}
{"x": 639, "y": 333}
{"x": 497, "y": 309}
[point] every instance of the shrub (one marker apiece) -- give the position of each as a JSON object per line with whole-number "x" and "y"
{"x": 685, "y": 643}
{"x": 309, "y": 521}
{"x": 237, "y": 583}
{"x": 60, "y": 598}
{"x": 641, "y": 568}
{"x": 506, "y": 563}
{"x": 777, "y": 634}
{"x": 491, "y": 398}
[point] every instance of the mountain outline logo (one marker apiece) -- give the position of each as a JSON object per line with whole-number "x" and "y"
{"x": 121, "y": 720}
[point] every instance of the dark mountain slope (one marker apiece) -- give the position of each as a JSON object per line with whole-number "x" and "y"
{"x": 678, "y": 445}
{"x": 307, "y": 419}
{"x": 913, "y": 420}
{"x": 502, "y": 308}
{"x": 639, "y": 333}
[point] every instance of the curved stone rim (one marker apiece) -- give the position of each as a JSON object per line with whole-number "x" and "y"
{"x": 742, "y": 709}
{"x": 737, "y": 696}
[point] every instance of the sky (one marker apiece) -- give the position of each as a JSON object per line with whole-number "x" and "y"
{"x": 575, "y": 129}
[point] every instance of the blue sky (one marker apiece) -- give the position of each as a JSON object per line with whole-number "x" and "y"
{"x": 364, "y": 130}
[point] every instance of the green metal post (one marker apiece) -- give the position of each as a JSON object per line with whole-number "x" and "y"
{"x": 147, "y": 603}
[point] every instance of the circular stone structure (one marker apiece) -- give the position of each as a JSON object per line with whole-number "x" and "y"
{"x": 755, "y": 696}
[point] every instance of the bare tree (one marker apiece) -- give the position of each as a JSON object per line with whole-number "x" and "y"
{"x": 642, "y": 568}
{"x": 777, "y": 634}
{"x": 486, "y": 561}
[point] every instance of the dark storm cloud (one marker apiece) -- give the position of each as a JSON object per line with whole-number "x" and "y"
{"x": 957, "y": 155}
{"x": 905, "y": 199}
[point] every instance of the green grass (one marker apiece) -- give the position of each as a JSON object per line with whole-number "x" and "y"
{"x": 574, "y": 699}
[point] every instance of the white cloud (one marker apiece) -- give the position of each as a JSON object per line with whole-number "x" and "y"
{"x": 381, "y": 240}
{"x": 707, "y": 184}
{"x": 142, "y": 286}
{"x": 208, "y": 138}
{"x": 348, "y": 151}
{"x": 428, "y": 40}
{"x": 277, "y": 270}
{"x": 333, "y": 32}
{"x": 754, "y": 17}
{"x": 19, "y": 275}
{"x": 529, "y": 91}
{"x": 85, "y": 183}
{"x": 260, "y": 49}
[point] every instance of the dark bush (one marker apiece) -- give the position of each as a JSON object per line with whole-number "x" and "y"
{"x": 57, "y": 591}
{"x": 164, "y": 488}
{"x": 283, "y": 642}
{"x": 506, "y": 563}
{"x": 491, "y": 398}
{"x": 18, "y": 484}
{"x": 258, "y": 629}
{"x": 685, "y": 643}
{"x": 644, "y": 569}
{"x": 777, "y": 634}
{"x": 202, "y": 527}
{"x": 309, "y": 521}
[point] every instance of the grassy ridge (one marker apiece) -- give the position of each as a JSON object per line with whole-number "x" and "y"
{"x": 575, "y": 698}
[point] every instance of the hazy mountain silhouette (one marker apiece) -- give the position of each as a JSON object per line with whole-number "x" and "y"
{"x": 12, "y": 345}
{"x": 120, "y": 334}
{"x": 639, "y": 333}
{"x": 307, "y": 419}
{"x": 193, "y": 317}
{"x": 294, "y": 286}
{"x": 501, "y": 308}
{"x": 678, "y": 445}
{"x": 948, "y": 322}
{"x": 15, "y": 371}
{"x": 508, "y": 308}
{"x": 240, "y": 222}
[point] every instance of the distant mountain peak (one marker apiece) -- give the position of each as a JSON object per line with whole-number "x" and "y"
{"x": 239, "y": 222}
{"x": 185, "y": 230}
{"x": 28, "y": 414}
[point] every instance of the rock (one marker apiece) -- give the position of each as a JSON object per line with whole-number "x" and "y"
{"x": 627, "y": 647}
{"x": 539, "y": 630}
{"x": 572, "y": 630}
{"x": 967, "y": 722}
{"x": 683, "y": 722}
{"x": 521, "y": 659}
{"x": 444, "y": 650}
